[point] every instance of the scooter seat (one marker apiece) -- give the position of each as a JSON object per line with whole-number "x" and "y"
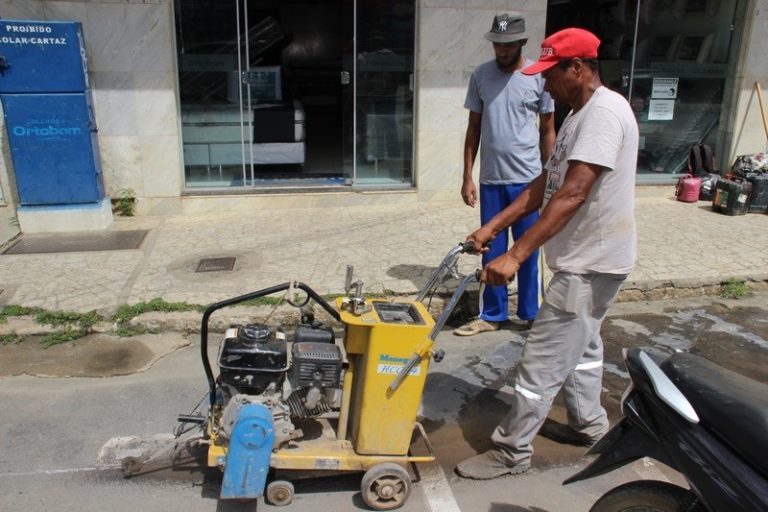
{"x": 732, "y": 406}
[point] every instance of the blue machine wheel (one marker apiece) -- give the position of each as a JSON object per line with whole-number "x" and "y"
{"x": 385, "y": 486}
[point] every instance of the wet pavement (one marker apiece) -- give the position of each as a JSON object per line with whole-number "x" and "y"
{"x": 53, "y": 427}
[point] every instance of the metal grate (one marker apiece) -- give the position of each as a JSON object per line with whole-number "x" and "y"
{"x": 216, "y": 264}
{"x": 78, "y": 242}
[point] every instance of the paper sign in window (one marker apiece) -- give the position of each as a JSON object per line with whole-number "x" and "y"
{"x": 661, "y": 110}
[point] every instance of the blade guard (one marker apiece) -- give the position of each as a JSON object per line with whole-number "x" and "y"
{"x": 247, "y": 460}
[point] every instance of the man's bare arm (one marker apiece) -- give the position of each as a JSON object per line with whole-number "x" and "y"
{"x": 547, "y": 136}
{"x": 471, "y": 144}
{"x": 527, "y": 202}
{"x": 559, "y": 211}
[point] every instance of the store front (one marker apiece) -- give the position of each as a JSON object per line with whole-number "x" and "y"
{"x": 272, "y": 96}
{"x": 239, "y": 105}
{"x": 673, "y": 60}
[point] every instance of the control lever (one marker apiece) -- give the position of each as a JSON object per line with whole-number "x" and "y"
{"x": 355, "y": 302}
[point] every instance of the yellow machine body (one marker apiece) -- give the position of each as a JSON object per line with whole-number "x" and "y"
{"x": 379, "y": 343}
{"x": 375, "y": 424}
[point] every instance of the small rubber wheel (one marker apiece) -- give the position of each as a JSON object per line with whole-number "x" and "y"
{"x": 385, "y": 486}
{"x": 279, "y": 493}
{"x": 645, "y": 496}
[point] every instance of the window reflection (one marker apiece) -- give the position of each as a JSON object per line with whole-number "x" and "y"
{"x": 685, "y": 40}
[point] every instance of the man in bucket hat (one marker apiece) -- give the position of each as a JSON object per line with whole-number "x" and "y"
{"x": 504, "y": 106}
{"x": 587, "y": 227}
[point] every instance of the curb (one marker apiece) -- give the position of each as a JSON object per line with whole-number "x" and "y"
{"x": 189, "y": 322}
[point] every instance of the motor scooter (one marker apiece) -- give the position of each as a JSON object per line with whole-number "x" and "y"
{"x": 708, "y": 423}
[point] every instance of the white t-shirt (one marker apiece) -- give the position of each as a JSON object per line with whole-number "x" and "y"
{"x": 601, "y": 236}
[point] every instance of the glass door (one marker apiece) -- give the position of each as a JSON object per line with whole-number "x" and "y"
{"x": 670, "y": 59}
{"x": 384, "y": 93}
{"x": 282, "y": 93}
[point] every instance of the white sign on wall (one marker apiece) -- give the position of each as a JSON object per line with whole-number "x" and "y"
{"x": 664, "y": 88}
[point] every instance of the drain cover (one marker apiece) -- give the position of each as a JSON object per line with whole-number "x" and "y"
{"x": 216, "y": 264}
{"x": 118, "y": 240}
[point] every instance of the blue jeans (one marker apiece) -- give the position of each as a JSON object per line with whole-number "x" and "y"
{"x": 530, "y": 279}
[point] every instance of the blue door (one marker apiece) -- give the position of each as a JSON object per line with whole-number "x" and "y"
{"x": 53, "y": 140}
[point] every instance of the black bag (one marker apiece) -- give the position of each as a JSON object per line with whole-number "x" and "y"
{"x": 708, "y": 186}
{"x": 701, "y": 160}
{"x": 749, "y": 164}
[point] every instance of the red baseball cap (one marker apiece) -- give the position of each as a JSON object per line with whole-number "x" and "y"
{"x": 568, "y": 43}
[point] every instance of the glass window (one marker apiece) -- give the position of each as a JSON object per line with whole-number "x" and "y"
{"x": 670, "y": 59}
{"x": 384, "y": 92}
{"x": 271, "y": 95}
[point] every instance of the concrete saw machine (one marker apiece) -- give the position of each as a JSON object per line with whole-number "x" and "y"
{"x": 295, "y": 403}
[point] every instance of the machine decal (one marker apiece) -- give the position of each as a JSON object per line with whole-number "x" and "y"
{"x": 327, "y": 464}
{"x": 391, "y": 365}
{"x": 394, "y": 369}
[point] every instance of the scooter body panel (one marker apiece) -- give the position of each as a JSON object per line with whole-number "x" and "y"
{"x": 720, "y": 477}
{"x": 623, "y": 444}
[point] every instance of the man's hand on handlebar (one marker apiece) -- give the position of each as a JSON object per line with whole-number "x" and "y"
{"x": 481, "y": 240}
{"x": 500, "y": 271}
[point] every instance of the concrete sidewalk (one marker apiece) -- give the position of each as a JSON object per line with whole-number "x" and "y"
{"x": 393, "y": 248}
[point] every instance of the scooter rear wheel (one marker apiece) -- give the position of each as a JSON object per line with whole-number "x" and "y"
{"x": 645, "y": 496}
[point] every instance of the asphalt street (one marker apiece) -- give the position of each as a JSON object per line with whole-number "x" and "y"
{"x": 52, "y": 428}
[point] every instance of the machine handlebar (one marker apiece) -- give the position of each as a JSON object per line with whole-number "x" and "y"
{"x": 439, "y": 323}
{"x": 446, "y": 266}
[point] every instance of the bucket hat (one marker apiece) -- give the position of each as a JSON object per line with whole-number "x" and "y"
{"x": 507, "y": 28}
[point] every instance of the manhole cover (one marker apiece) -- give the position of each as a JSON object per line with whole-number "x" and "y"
{"x": 216, "y": 264}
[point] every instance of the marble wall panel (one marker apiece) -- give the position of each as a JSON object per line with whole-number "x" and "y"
{"x": 156, "y": 106}
{"x": 121, "y": 162}
{"x": 440, "y": 154}
{"x": 494, "y": 5}
{"x": 161, "y": 163}
{"x": 114, "y": 99}
{"x": 440, "y": 39}
{"x": 22, "y": 9}
{"x": 130, "y": 37}
{"x": 757, "y": 49}
{"x": 153, "y": 45}
{"x": 110, "y": 37}
{"x": 528, "y": 6}
{"x": 67, "y": 11}
{"x": 746, "y": 130}
{"x": 442, "y": 3}
{"x": 441, "y": 107}
{"x": 477, "y": 49}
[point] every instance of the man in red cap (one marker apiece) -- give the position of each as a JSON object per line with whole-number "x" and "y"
{"x": 586, "y": 200}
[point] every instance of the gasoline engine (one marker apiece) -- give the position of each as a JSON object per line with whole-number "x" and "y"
{"x": 257, "y": 367}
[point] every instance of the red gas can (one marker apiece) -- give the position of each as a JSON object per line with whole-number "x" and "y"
{"x": 688, "y": 187}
